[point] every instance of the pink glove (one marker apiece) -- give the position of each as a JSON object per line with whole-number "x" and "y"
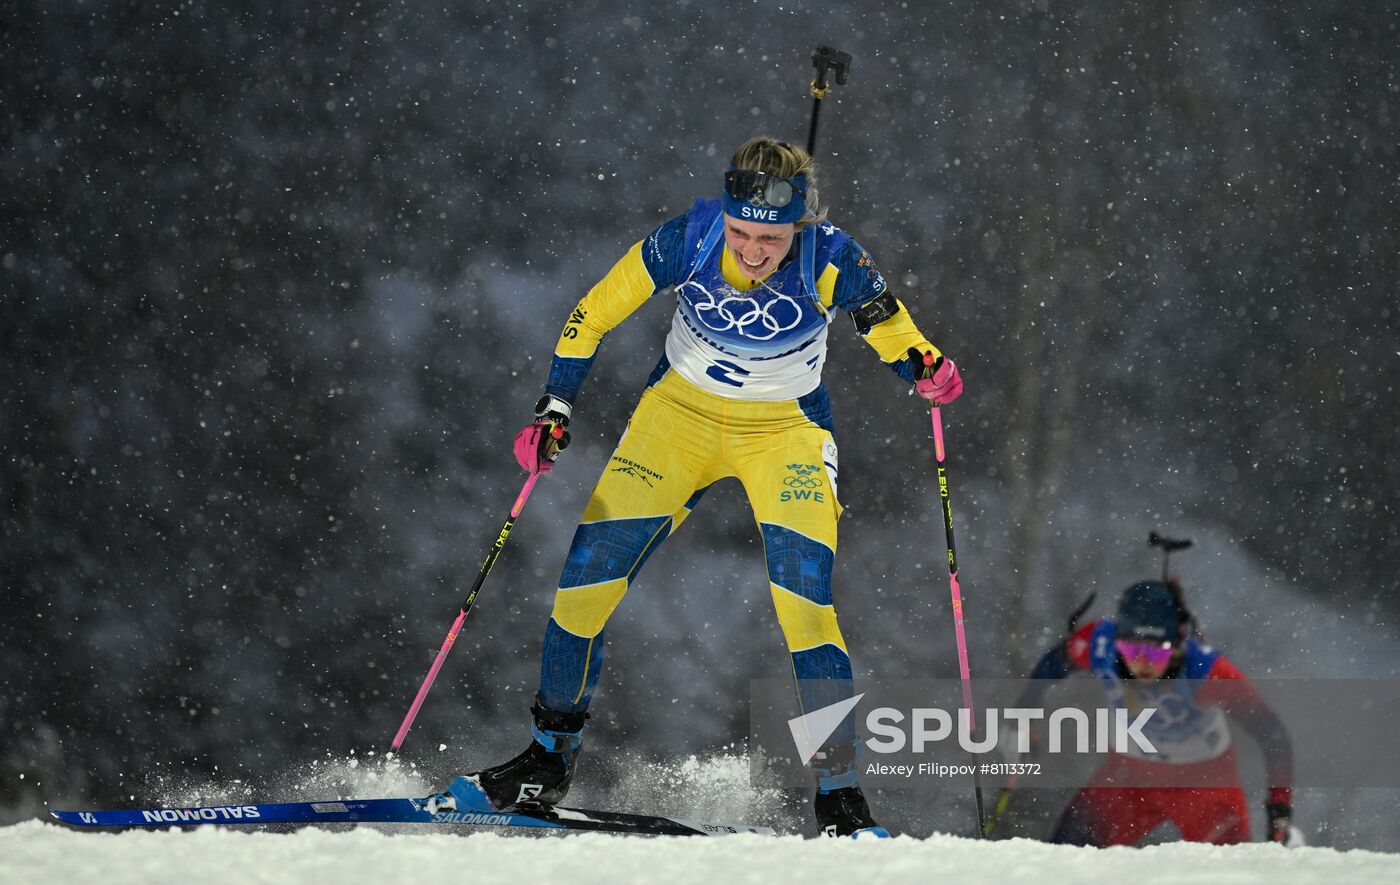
{"x": 939, "y": 381}
{"x": 538, "y": 444}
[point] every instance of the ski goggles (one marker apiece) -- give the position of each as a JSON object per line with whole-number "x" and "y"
{"x": 1158, "y": 654}
{"x": 759, "y": 196}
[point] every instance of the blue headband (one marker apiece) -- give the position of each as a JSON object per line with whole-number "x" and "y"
{"x": 756, "y": 208}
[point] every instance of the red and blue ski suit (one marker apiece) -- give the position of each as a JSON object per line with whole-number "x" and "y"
{"x": 1193, "y": 780}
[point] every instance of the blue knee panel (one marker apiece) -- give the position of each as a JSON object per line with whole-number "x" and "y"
{"x": 614, "y": 548}
{"x": 798, "y": 564}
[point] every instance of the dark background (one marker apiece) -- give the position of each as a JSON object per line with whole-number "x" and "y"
{"x": 279, "y": 286}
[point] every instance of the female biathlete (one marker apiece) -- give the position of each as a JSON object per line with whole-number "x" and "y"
{"x": 758, "y": 276}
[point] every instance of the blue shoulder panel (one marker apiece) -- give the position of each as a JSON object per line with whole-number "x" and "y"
{"x": 1199, "y": 659}
{"x": 702, "y": 233}
{"x": 807, "y": 256}
{"x": 663, "y": 252}
{"x": 859, "y": 280}
{"x": 1103, "y": 656}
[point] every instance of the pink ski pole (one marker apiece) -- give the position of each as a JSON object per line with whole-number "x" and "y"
{"x": 964, "y": 671}
{"x": 466, "y": 609}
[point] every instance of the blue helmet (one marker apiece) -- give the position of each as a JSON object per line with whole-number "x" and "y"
{"x": 1150, "y": 610}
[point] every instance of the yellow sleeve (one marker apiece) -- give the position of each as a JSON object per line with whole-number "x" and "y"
{"x": 892, "y": 338}
{"x": 624, "y": 289}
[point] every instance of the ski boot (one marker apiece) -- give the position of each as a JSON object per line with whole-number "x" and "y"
{"x": 840, "y": 805}
{"x": 844, "y": 813}
{"x": 539, "y": 776}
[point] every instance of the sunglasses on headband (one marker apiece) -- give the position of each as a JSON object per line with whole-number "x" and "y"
{"x": 751, "y": 186}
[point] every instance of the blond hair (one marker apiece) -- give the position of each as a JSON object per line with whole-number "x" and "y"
{"x": 765, "y": 154}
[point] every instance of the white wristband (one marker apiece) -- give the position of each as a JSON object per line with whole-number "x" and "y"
{"x": 549, "y": 403}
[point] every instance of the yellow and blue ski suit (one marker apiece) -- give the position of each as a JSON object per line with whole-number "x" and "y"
{"x": 738, "y": 393}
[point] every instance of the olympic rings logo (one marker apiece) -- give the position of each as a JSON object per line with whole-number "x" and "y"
{"x": 742, "y": 313}
{"x": 802, "y": 482}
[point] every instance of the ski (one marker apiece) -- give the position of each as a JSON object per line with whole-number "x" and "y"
{"x": 405, "y": 811}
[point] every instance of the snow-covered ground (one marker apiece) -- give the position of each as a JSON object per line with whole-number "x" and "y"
{"x": 713, "y": 787}
{"x": 34, "y": 852}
